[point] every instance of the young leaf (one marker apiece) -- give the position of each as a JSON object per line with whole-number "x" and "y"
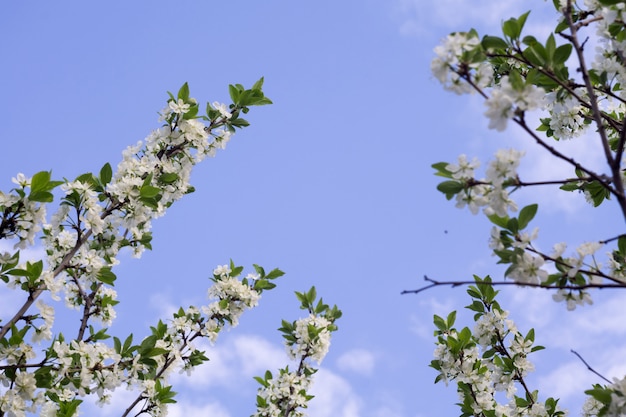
{"x": 106, "y": 174}
{"x": 526, "y": 215}
{"x": 183, "y": 93}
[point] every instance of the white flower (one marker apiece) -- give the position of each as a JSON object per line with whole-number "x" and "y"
{"x": 558, "y": 250}
{"x": 505, "y": 100}
{"x": 222, "y": 271}
{"x": 223, "y": 109}
{"x": 448, "y": 57}
{"x": 499, "y": 109}
{"x": 21, "y": 180}
{"x": 527, "y": 269}
{"x": 589, "y": 248}
{"x": 179, "y": 106}
{"x": 463, "y": 169}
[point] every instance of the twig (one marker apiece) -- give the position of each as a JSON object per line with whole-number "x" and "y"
{"x": 604, "y": 242}
{"x": 589, "y": 367}
{"x": 435, "y": 283}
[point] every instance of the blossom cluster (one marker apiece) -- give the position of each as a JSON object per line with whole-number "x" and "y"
{"x": 306, "y": 339}
{"x": 491, "y": 359}
{"x": 489, "y": 193}
{"x": 76, "y": 368}
{"x": 516, "y": 73}
{"x": 99, "y": 215}
{"x": 453, "y": 65}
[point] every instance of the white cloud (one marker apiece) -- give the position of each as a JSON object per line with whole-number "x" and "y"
{"x": 237, "y": 359}
{"x": 120, "y": 400}
{"x": 561, "y": 328}
{"x": 183, "y": 409}
{"x": 422, "y": 17}
{"x": 596, "y": 332}
{"x": 422, "y": 323}
{"x": 163, "y": 305}
{"x": 540, "y": 165}
{"x": 334, "y": 397}
{"x": 233, "y": 361}
{"x": 567, "y": 382}
{"x": 359, "y": 361}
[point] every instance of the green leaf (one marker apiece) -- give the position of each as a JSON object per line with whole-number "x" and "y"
{"x": 148, "y": 191}
{"x": 192, "y": 113}
{"x": 513, "y": 225}
{"x": 239, "y": 122}
{"x": 168, "y": 178}
{"x": 621, "y": 245}
{"x": 450, "y": 188}
{"x": 530, "y": 40}
{"x": 234, "y": 94}
{"x": 562, "y": 53}
{"x": 499, "y": 221}
{"x": 68, "y": 408}
{"x": 183, "y": 93}
{"x": 522, "y": 21}
{"x": 511, "y": 28}
{"x": 106, "y": 174}
{"x": 106, "y": 276}
{"x": 602, "y": 395}
{"x": 526, "y": 215}
{"x": 87, "y": 178}
{"x": 442, "y": 170}
{"x": 440, "y": 323}
{"x": 40, "y": 181}
{"x": 259, "y": 84}
{"x": 274, "y": 273}
{"x": 494, "y": 42}
{"x": 41, "y": 196}
{"x": 571, "y": 186}
{"x": 550, "y": 46}
{"x": 597, "y": 191}
{"x": 451, "y": 319}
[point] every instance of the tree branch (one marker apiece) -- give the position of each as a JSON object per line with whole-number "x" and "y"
{"x": 453, "y": 284}
{"x": 613, "y": 163}
{"x": 589, "y": 367}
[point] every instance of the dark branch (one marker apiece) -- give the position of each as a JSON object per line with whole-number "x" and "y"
{"x": 589, "y": 367}
{"x": 435, "y": 283}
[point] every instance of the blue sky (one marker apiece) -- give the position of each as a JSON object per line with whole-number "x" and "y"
{"x": 332, "y": 183}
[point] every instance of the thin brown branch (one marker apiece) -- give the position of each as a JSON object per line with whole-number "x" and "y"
{"x": 589, "y": 367}
{"x": 604, "y": 242}
{"x": 87, "y": 313}
{"x": 597, "y": 177}
{"x": 520, "y": 121}
{"x": 453, "y": 284}
{"x": 32, "y": 297}
{"x": 519, "y": 183}
{"x": 593, "y": 100}
{"x": 619, "y": 151}
{"x": 614, "y": 163}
